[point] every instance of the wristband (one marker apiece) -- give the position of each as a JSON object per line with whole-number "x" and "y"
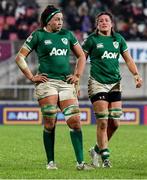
{"x": 136, "y": 76}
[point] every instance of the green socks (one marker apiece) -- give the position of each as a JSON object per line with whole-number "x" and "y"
{"x": 49, "y": 140}
{"x": 105, "y": 154}
{"x": 96, "y": 148}
{"x": 77, "y": 142}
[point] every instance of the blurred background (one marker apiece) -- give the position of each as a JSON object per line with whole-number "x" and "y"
{"x": 18, "y": 18}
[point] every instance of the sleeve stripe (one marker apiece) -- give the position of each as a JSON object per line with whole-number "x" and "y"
{"x": 27, "y": 47}
{"x": 85, "y": 50}
{"x": 125, "y": 50}
{"x": 75, "y": 43}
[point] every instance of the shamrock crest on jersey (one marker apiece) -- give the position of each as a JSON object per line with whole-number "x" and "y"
{"x": 116, "y": 44}
{"x": 64, "y": 40}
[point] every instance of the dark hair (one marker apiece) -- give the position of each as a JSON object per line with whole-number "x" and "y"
{"x": 105, "y": 13}
{"x": 110, "y": 16}
{"x": 47, "y": 14}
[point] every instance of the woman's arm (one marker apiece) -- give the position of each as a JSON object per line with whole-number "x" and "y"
{"x": 21, "y": 62}
{"x": 81, "y": 60}
{"x": 80, "y": 65}
{"x": 133, "y": 68}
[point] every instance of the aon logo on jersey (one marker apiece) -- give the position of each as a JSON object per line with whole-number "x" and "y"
{"x": 58, "y": 52}
{"x": 109, "y": 55}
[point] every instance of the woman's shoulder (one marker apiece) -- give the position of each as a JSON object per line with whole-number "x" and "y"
{"x": 65, "y": 31}
{"x": 118, "y": 35}
{"x": 119, "y": 38}
{"x": 37, "y": 31}
{"x": 93, "y": 34}
{"x": 90, "y": 36}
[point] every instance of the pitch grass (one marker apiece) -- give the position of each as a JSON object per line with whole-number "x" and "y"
{"x": 22, "y": 154}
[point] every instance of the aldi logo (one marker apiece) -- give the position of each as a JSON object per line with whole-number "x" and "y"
{"x": 22, "y": 115}
{"x": 130, "y": 116}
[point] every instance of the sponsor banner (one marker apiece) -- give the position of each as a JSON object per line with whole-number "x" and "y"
{"x": 145, "y": 114}
{"x": 133, "y": 114}
{"x": 22, "y": 115}
{"x": 1, "y": 114}
{"x": 130, "y": 116}
{"x": 32, "y": 115}
{"x": 138, "y": 51}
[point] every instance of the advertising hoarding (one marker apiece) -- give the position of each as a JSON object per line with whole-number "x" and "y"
{"x": 138, "y": 51}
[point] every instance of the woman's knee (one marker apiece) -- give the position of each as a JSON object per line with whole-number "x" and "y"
{"x": 49, "y": 124}
{"x": 72, "y": 116}
{"x": 102, "y": 124}
{"x": 74, "y": 123}
{"x": 115, "y": 123}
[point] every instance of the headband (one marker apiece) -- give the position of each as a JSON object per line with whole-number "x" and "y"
{"x": 52, "y": 14}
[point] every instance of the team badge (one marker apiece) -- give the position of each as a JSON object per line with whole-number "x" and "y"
{"x": 115, "y": 44}
{"x": 64, "y": 40}
{"x": 46, "y": 42}
{"x": 99, "y": 45}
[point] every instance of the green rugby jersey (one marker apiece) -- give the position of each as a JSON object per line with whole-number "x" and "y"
{"x": 104, "y": 52}
{"x": 53, "y": 51}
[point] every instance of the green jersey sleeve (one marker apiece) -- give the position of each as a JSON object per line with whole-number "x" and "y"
{"x": 123, "y": 45}
{"x": 31, "y": 41}
{"x": 73, "y": 39}
{"x": 87, "y": 45}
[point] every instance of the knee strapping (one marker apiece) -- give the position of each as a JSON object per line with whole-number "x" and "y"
{"x": 70, "y": 111}
{"x": 115, "y": 113}
{"x": 102, "y": 115}
{"x": 49, "y": 111}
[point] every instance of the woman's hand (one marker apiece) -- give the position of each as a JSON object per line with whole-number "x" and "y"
{"x": 73, "y": 79}
{"x": 39, "y": 78}
{"x": 138, "y": 81}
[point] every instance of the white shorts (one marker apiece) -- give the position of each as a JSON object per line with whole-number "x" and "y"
{"x": 95, "y": 87}
{"x": 61, "y": 88}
